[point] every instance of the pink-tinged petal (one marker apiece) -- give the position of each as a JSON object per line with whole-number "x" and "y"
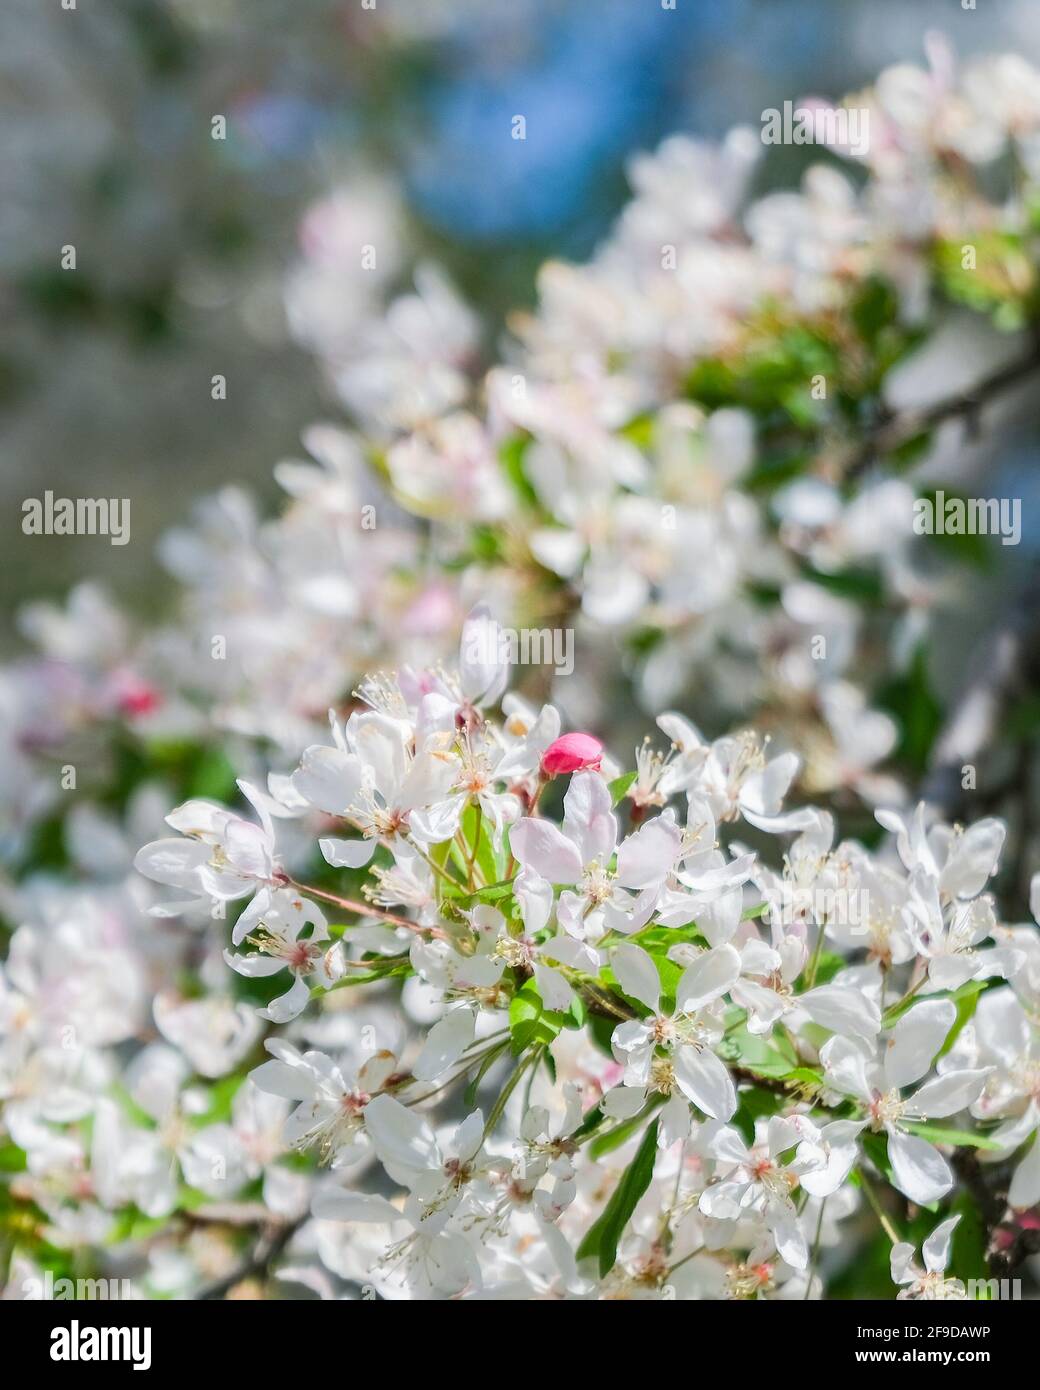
{"x": 947, "y": 1094}
{"x": 637, "y": 974}
{"x": 588, "y": 818}
{"x": 623, "y": 1102}
{"x": 555, "y": 991}
{"x": 919, "y": 1169}
{"x": 703, "y": 1079}
{"x": 843, "y": 1010}
{"x": 1025, "y": 1185}
{"x": 568, "y": 951}
{"x": 845, "y": 1067}
{"x": 434, "y": 824}
{"x": 572, "y": 753}
{"x": 538, "y": 845}
{"x": 973, "y": 859}
{"x": 901, "y": 1262}
{"x": 728, "y": 1145}
{"x": 445, "y": 1044}
{"x": 535, "y": 896}
{"x": 377, "y": 1071}
{"x": 764, "y": 1006}
{"x": 173, "y": 862}
{"x": 289, "y": 1005}
{"x": 347, "y": 854}
{"x": 200, "y": 818}
{"x": 278, "y": 1079}
{"x": 722, "y": 1200}
{"x": 254, "y": 967}
{"x": 950, "y": 972}
{"x": 248, "y": 849}
{"x": 483, "y": 657}
{"x": 790, "y": 1240}
{"x": 936, "y": 1249}
{"x": 402, "y": 1139}
{"x": 333, "y": 1205}
{"x": 763, "y": 791}
{"x": 647, "y": 857}
{"x": 707, "y": 979}
{"x": 915, "y": 1040}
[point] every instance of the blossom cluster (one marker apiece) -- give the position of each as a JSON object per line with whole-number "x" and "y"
{"x": 622, "y": 986}
{"x": 457, "y": 1000}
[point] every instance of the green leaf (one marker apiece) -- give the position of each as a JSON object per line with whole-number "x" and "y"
{"x": 441, "y": 855}
{"x": 221, "y": 1095}
{"x": 487, "y": 862}
{"x": 756, "y": 1103}
{"x": 603, "y": 1235}
{"x": 12, "y": 1159}
{"x": 970, "y": 547}
{"x": 511, "y": 454}
{"x": 772, "y": 1057}
{"x": 661, "y": 939}
{"x": 601, "y": 1030}
{"x": 530, "y": 1021}
{"x": 614, "y": 1138}
{"x": 875, "y": 1146}
{"x": 827, "y": 966}
{"x": 971, "y": 989}
{"x": 491, "y": 893}
{"x": 396, "y": 968}
{"x": 966, "y": 1003}
{"x": 910, "y": 699}
{"x": 875, "y": 307}
{"x": 938, "y": 1134}
{"x": 970, "y": 1237}
{"x": 594, "y": 1117}
{"x": 620, "y": 785}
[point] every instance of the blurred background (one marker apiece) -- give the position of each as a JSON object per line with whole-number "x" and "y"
{"x": 183, "y": 242}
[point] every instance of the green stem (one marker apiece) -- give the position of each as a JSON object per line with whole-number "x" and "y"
{"x": 450, "y": 879}
{"x": 471, "y": 858}
{"x": 815, "y": 1249}
{"x": 814, "y": 964}
{"x": 507, "y": 1090}
{"x": 879, "y": 1211}
{"x": 890, "y": 1014}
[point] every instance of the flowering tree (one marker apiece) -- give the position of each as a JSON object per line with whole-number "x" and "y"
{"x": 460, "y": 1000}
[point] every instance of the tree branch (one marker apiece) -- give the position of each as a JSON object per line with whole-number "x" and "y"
{"x": 899, "y": 427}
{"x": 267, "y": 1250}
{"x": 1004, "y": 666}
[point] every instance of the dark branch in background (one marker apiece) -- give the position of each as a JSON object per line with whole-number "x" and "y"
{"x": 1007, "y": 665}
{"x": 897, "y": 428}
{"x": 269, "y": 1248}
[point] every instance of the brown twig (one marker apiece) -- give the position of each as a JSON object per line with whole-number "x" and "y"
{"x": 267, "y": 1250}
{"x": 1005, "y": 665}
{"x": 367, "y": 910}
{"x": 897, "y": 428}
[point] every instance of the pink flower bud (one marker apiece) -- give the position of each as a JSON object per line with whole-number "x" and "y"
{"x": 572, "y": 753}
{"x": 135, "y": 696}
